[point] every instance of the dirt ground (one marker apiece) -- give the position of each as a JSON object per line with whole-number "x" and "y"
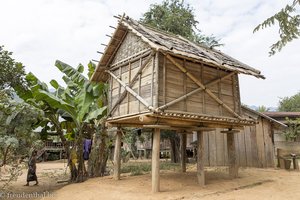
{"x": 251, "y": 184}
{"x": 48, "y": 174}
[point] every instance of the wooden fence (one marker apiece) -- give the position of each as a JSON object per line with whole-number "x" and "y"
{"x": 254, "y": 146}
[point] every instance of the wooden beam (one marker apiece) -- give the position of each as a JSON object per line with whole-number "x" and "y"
{"x": 156, "y": 160}
{"x": 231, "y": 131}
{"x": 233, "y": 166}
{"x": 183, "y": 151}
{"x": 129, "y": 79}
{"x": 194, "y": 91}
{"x": 134, "y": 79}
{"x": 132, "y": 59}
{"x": 196, "y": 128}
{"x": 157, "y": 81}
{"x": 158, "y": 126}
{"x": 200, "y": 158}
{"x": 133, "y": 93}
{"x": 117, "y": 157}
{"x": 208, "y": 91}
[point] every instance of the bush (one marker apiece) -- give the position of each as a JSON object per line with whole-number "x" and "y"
{"x": 141, "y": 168}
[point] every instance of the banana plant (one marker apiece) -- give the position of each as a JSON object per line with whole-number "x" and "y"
{"x": 80, "y": 102}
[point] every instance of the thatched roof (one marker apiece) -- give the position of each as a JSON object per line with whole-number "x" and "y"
{"x": 168, "y": 43}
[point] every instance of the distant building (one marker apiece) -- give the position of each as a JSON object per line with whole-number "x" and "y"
{"x": 279, "y": 139}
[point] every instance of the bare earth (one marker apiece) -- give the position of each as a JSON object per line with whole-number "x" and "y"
{"x": 251, "y": 184}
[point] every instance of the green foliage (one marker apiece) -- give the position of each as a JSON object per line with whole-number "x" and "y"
{"x": 176, "y": 17}
{"x": 17, "y": 121}
{"x": 139, "y": 168}
{"x": 293, "y": 130}
{"x": 12, "y": 73}
{"x": 80, "y": 104}
{"x": 262, "y": 109}
{"x": 290, "y": 104}
{"x": 288, "y": 19}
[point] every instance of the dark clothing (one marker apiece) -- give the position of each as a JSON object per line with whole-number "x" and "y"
{"x": 87, "y": 146}
{"x": 31, "y": 174}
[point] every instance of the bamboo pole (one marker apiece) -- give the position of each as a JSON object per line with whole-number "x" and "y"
{"x": 157, "y": 82}
{"x": 129, "y": 80}
{"x": 155, "y": 161}
{"x": 117, "y": 48}
{"x": 133, "y": 93}
{"x": 131, "y": 59}
{"x": 194, "y": 92}
{"x": 208, "y": 91}
{"x": 123, "y": 95}
{"x": 152, "y": 80}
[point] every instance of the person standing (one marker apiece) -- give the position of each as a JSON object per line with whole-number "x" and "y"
{"x": 31, "y": 174}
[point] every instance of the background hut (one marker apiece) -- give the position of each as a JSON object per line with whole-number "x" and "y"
{"x": 255, "y": 145}
{"x": 159, "y": 80}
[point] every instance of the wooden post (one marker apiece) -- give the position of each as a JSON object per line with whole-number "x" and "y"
{"x": 155, "y": 160}
{"x": 233, "y": 166}
{"x": 183, "y": 151}
{"x": 117, "y": 157}
{"x": 200, "y": 158}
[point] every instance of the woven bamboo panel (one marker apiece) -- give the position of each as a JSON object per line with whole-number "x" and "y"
{"x": 131, "y": 45}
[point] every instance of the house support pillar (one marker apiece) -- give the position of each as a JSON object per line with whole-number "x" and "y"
{"x": 200, "y": 158}
{"x": 183, "y": 151}
{"x": 155, "y": 160}
{"x": 233, "y": 166}
{"x": 117, "y": 157}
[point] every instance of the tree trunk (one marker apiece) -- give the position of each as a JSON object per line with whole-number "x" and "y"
{"x": 99, "y": 154}
{"x": 175, "y": 146}
{"x": 82, "y": 175}
{"x": 72, "y": 166}
{"x": 5, "y": 152}
{"x": 64, "y": 143}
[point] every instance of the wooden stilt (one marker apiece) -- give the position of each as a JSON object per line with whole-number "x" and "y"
{"x": 117, "y": 157}
{"x": 233, "y": 166}
{"x": 155, "y": 160}
{"x": 183, "y": 152}
{"x": 200, "y": 158}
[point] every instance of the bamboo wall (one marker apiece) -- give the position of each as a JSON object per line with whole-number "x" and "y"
{"x": 131, "y": 55}
{"x": 173, "y": 84}
{"x": 254, "y": 146}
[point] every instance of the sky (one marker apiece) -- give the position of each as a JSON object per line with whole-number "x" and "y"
{"x": 38, "y": 32}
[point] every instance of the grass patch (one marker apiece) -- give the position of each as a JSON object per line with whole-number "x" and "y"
{"x": 139, "y": 168}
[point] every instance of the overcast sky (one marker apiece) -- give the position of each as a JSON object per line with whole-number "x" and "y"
{"x": 42, "y": 31}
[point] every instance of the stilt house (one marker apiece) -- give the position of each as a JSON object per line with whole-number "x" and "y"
{"x": 163, "y": 81}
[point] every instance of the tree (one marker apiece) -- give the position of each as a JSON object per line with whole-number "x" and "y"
{"x": 290, "y": 104}
{"x": 17, "y": 121}
{"x": 288, "y": 19}
{"x": 12, "y": 73}
{"x": 174, "y": 139}
{"x": 177, "y": 17}
{"x": 293, "y": 130}
{"x": 262, "y": 109}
